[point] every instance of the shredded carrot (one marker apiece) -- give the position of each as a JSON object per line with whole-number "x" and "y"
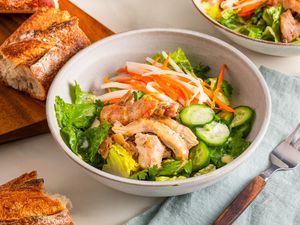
{"x": 206, "y": 84}
{"x": 166, "y": 63}
{"x": 221, "y": 104}
{"x": 249, "y": 8}
{"x": 178, "y": 86}
{"x": 122, "y": 70}
{"x": 166, "y": 89}
{"x": 218, "y": 87}
{"x": 112, "y": 101}
{"x": 106, "y": 79}
{"x": 156, "y": 61}
{"x": 140, "y": 77}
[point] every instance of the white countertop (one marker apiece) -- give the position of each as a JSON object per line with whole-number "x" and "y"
{"x": 93, "y": 202}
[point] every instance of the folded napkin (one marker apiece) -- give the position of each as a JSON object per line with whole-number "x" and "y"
{"x": 277, "y": 204}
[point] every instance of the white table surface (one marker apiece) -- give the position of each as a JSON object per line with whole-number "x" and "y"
{"x": 94, "y": 203}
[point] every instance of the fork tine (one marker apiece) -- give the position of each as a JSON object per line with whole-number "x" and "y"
{"x": 289, "y": 138}
{"x": 297, "y": 143}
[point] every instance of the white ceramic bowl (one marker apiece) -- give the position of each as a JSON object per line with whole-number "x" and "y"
{"x": 261, "y": 46}
{"x": 109, "y": 54}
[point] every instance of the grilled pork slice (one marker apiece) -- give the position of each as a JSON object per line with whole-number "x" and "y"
{"x": 23, "y": 201}
{"x": 31, "y": 57}
{"x": 150, "y": 149}
{"x": 26, "y": 6}
{"x": 290, "y": 26}
{"x": 128, "y": 110}
{"x": 168, "y": 136}
{"x": 293, "y": 5}
{"x": 185, "y": 133}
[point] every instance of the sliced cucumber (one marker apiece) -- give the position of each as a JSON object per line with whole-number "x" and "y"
{"x": 226, "y": 116}
{"x": 213, "y": 134}
{"x": 223, "y": 98}
{"x": 199, "y": 156}
{"x": 195, "y": 115}
{"x": 243, "y": 114}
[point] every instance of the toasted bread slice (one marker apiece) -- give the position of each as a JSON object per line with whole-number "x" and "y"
{"x": 31, "y": 57}
{"x": 26, "y": 6}
{"x": 24, "y": 201}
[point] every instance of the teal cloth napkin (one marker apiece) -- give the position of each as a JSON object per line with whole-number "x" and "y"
{"x": 277, "y": 204}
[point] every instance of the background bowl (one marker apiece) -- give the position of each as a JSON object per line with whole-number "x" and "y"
{"x": 261, "y": 46}
{"x": 109, "y": 54}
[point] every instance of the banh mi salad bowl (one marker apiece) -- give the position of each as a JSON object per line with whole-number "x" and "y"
{"x": 159, "y": 112}
{"x": 270, "y": 27}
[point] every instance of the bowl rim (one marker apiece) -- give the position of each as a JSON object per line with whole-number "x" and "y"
{"x": 52, "y": 122}
{"x": 197, "y": 4}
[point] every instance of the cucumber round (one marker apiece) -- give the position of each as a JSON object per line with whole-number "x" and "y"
{"x": 213, "y": 134}
{"x": 223, "y": 98}
{"x": 196, "y": 115}
{"x": 226, "y": 116}
{"x": 199, "y": 156}
{"x": 242, "y": 114}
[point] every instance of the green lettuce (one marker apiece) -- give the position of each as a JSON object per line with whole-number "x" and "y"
{"x": 75, "y": 122}
{"x": 120, "y": 162}
{"x": 83, "y": 97}
{"x": 164, "y": 178}
{"x": 181, "y": 60}
{"x": 234, "y": 146}
{"x": 172, "y": 167}
{"x": 206, "y": 170}
{"x": 90, "y": 139}
{"x": 251, "y": 31}
{"x": 77, "y": 115}
{"x": 231, "y": 20}
{"x": 263, "y": 24}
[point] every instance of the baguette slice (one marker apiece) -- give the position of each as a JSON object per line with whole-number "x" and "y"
{"x": 26, "y": 6}
{"x": 33, "y": 54}
{"x": 23, "y": 201}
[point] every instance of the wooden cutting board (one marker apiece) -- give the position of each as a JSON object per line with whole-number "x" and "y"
{"x": 20, "y": 115}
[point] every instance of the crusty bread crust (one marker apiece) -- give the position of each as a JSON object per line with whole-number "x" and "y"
{"x": 23, "y": 201}
{"x": 38, "y": 49}
{"x": 26, "y": 6}
{"x": 39, "y": 21}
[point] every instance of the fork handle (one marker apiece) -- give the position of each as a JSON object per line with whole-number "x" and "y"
{"x": 241, "y": 202}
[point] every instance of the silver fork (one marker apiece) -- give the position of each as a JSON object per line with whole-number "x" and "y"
{"x": 285, "y": 156}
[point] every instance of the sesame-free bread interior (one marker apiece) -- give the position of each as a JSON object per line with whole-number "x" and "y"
{"x": 31, "y": 57}
{"x": 23, "y": 201}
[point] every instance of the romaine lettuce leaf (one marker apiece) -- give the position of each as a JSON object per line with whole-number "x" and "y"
{"x": 83, "y": 97}
{"x": 120, "y": 162}
{"x": 171, "y": 167}
{"x": 165, "y": 178}
{"x": 205, "y": 170}
{"x": 70, "y": 136}
{"x": 90, "y": 139}
{"x": 231, "y": 20}
{"x": 251, "y": 31}
{"x": 77, "y": 115}
{"x": 181, "y": 60}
